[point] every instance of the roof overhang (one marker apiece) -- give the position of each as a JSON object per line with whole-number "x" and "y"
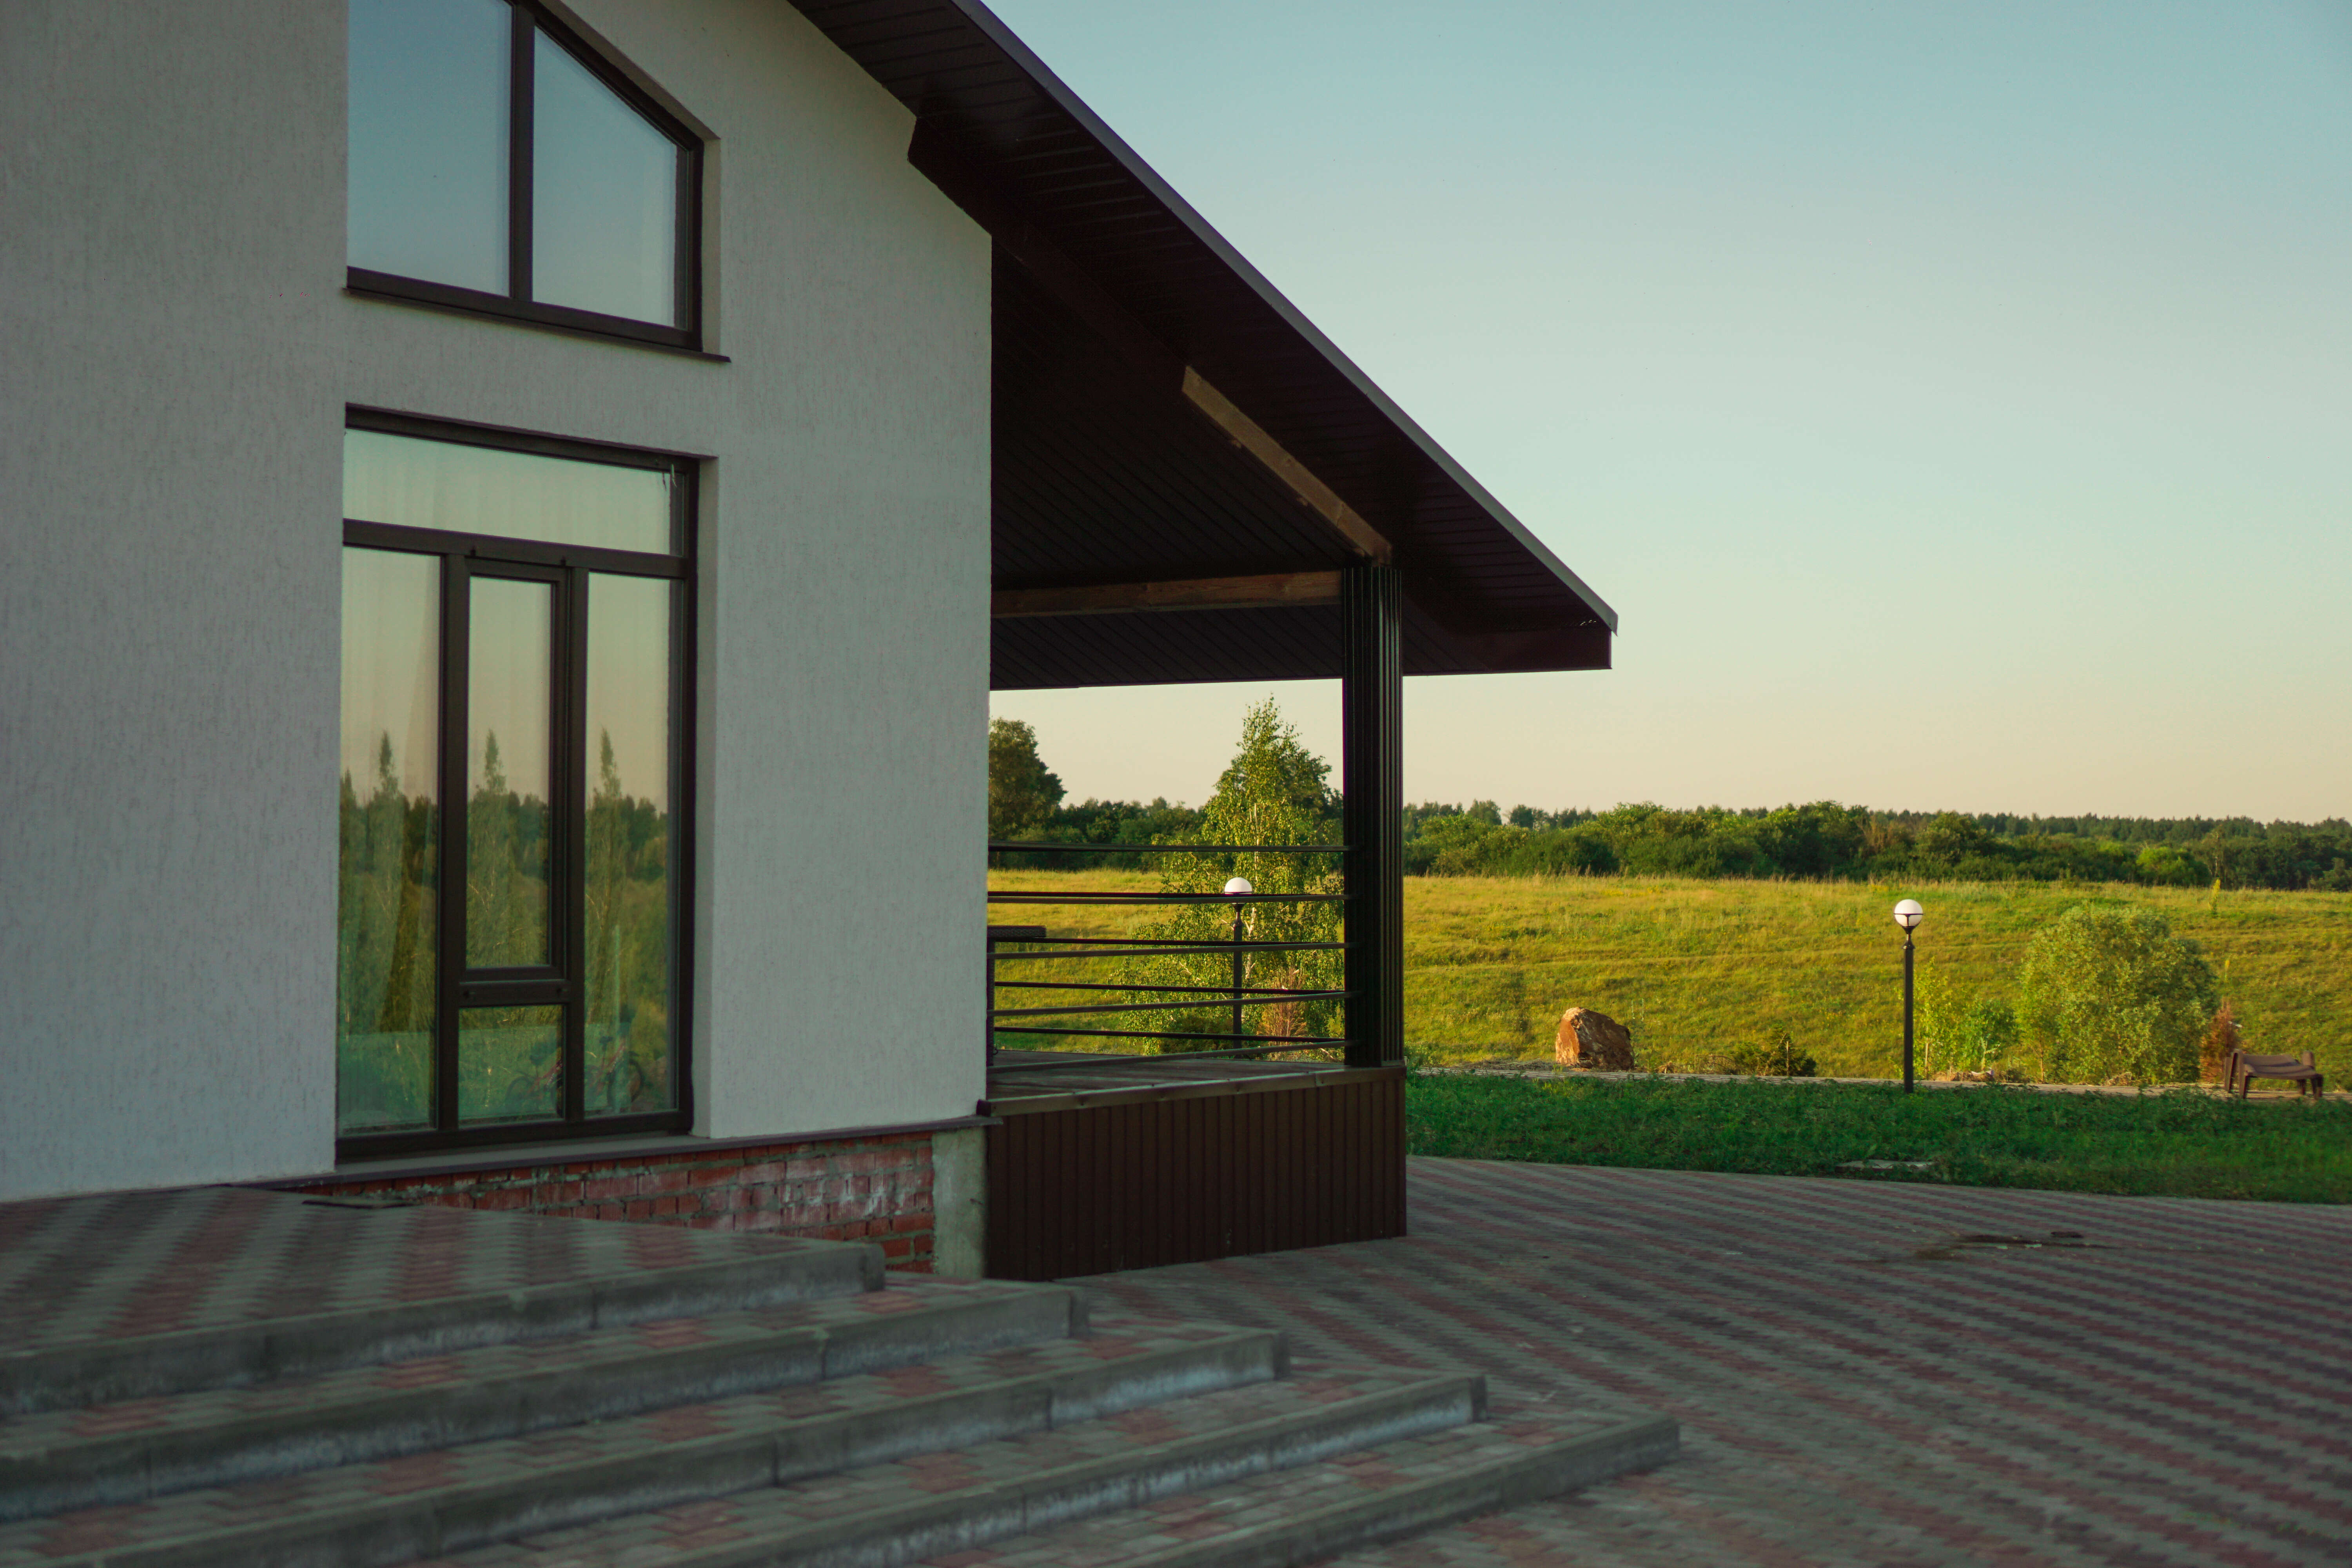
{"x": 1183, "y": 463}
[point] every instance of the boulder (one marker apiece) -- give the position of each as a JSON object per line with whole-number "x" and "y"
{"x": 1590, "y": 1039}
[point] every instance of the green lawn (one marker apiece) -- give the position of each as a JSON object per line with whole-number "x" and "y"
{"x": 2178, "y": 1143}
{"x": 1700, "y": 967}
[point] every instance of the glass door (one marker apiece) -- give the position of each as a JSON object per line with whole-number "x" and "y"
{"x": 518, "y": 991}
{"x": 515, "y": 658}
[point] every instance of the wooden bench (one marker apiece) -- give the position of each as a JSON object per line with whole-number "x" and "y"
{"x": 2247, "y": 1065}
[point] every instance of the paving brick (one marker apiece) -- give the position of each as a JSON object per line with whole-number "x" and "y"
{"x": 1857, "y": 1381}
{"x": 122, "y": 1266}
{"x": 1855, "y": 1385}
{"x": 465, "y": 1469}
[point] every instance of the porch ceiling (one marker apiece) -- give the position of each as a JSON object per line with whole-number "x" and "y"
{"x": 1163, "y": 415}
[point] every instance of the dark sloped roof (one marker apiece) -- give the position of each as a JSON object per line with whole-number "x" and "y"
{"x": 1109, "y": 290}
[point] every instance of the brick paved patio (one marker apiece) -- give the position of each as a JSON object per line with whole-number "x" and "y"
{"x": 122, "y": 1266}
{"x": 1858, "y": 1381}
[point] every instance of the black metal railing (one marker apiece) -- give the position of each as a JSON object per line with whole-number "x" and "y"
{"x": 1036, "y": 942}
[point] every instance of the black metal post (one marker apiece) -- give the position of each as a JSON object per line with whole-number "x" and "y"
{"x": 1906, "y": 1011}
{"x": 1372, "y": 777}
{"x": 1237, "y": 969}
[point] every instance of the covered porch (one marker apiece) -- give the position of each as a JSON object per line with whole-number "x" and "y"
{"x": 1192, "y": 484}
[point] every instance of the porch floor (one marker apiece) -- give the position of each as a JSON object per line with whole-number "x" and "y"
{"x": 1059, "y": 1080}
{"x": 1859, "y": 1381}
{"x": 82, "y": 1273}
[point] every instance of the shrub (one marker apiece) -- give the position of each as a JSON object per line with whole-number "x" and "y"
{"x": 1987, "y": 1030}
{"x": 1779, "y": 1059}
{"x": 2221, "y": 1037}
{"x": 1956, "y": 1034}
{"x": 2110, "y": 995}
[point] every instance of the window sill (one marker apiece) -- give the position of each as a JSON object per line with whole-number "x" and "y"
{"x": 358, "y": 291}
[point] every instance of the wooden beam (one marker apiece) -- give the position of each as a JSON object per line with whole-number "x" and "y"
{"x": 1198, "y": 594}
{"x": 1295, "y": 476}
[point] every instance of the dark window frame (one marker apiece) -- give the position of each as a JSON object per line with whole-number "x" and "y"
{"x": 516, "y": 304}
{"x": 562, "y": 981}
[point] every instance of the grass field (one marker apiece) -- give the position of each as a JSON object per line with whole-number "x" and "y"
{"x": 2178, "y": 1143}
{"x": 1698, "y": 967}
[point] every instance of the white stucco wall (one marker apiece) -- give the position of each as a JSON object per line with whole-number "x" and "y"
{"x": 179, "y": 355}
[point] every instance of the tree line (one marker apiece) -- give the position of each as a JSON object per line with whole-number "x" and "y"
{"x": 1820, "y": 841}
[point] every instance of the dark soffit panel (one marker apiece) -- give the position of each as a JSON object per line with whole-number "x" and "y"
{"x": 1105, "y": 475}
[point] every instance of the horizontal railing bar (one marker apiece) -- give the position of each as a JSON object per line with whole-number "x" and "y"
{"x": 1187, "y": 949}
{"x": 1228, "y": 1000}
{"x": 1080, "y": 1061}
{"x": 1103, "y": 985}
{"x": 1025, "y": 897}
{"x": 1172, "y": 848}
{"x": 1280, "y": 1040}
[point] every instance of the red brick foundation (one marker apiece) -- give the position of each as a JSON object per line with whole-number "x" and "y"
{"x": 874, "y": 1189}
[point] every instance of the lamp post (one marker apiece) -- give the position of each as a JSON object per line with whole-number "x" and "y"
{"x": 1907, "y": 914}
{"x": 1237, "y": 889}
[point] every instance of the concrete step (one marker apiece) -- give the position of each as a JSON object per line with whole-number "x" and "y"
{"x": 55, "y": 1373}
{"x": 1309, "y": 1513}
{"x": 137, "y": 1449}
{"x": 471, "y": 1495}
{"x": 934, "y": 1505}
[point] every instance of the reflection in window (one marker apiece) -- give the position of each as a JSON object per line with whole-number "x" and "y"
{"x": 511, "y": 734}
{"x": 460, "y": 489}
{"x": 428, "y": 140}
{"x": 509, "y": 1065}
{"x": 603, "y": 198}
{"x": 384, "y": 999}
{"x": 627, "y": 916}
{"x": 509, "y": 847}
{"x": 557, "y": 196}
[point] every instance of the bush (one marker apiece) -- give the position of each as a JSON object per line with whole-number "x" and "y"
{"x": 2110, "y": 995}
{"x": 1958, "y": 1034}
{"x": 2222, "y": 1036}
{"x": 1779, "y": 1059}
{"x": 1987, "y": 1030}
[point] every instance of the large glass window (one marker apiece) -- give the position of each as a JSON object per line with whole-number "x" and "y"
{"x": 514, "y": 637}
{"x": 497, "y": 163}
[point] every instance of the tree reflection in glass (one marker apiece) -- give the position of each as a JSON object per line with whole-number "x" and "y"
{"x": 508, "y": 848}
{"x": 509, "y": 1064}
{"x": 627, "y": 880}
{"x": 390, "y": 831}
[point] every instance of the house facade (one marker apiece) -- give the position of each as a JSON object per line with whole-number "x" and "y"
{"x": 502, "y": 501}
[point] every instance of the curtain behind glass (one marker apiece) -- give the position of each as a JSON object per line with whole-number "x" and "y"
{"x": 628, "y": 881}
{"x": 414, "y": 483}
{"x": 509, "y": 775}
{"x": 386, "y": 913}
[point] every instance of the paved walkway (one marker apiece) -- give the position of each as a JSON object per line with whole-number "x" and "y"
{"x": 1862, "y": 1376}
{"x": 119, "y": 1266}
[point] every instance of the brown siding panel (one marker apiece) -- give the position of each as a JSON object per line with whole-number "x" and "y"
{"x": 1138, "y": 1184}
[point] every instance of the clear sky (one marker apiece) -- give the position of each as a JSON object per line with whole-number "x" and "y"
{"x": 1953, "y": 400}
